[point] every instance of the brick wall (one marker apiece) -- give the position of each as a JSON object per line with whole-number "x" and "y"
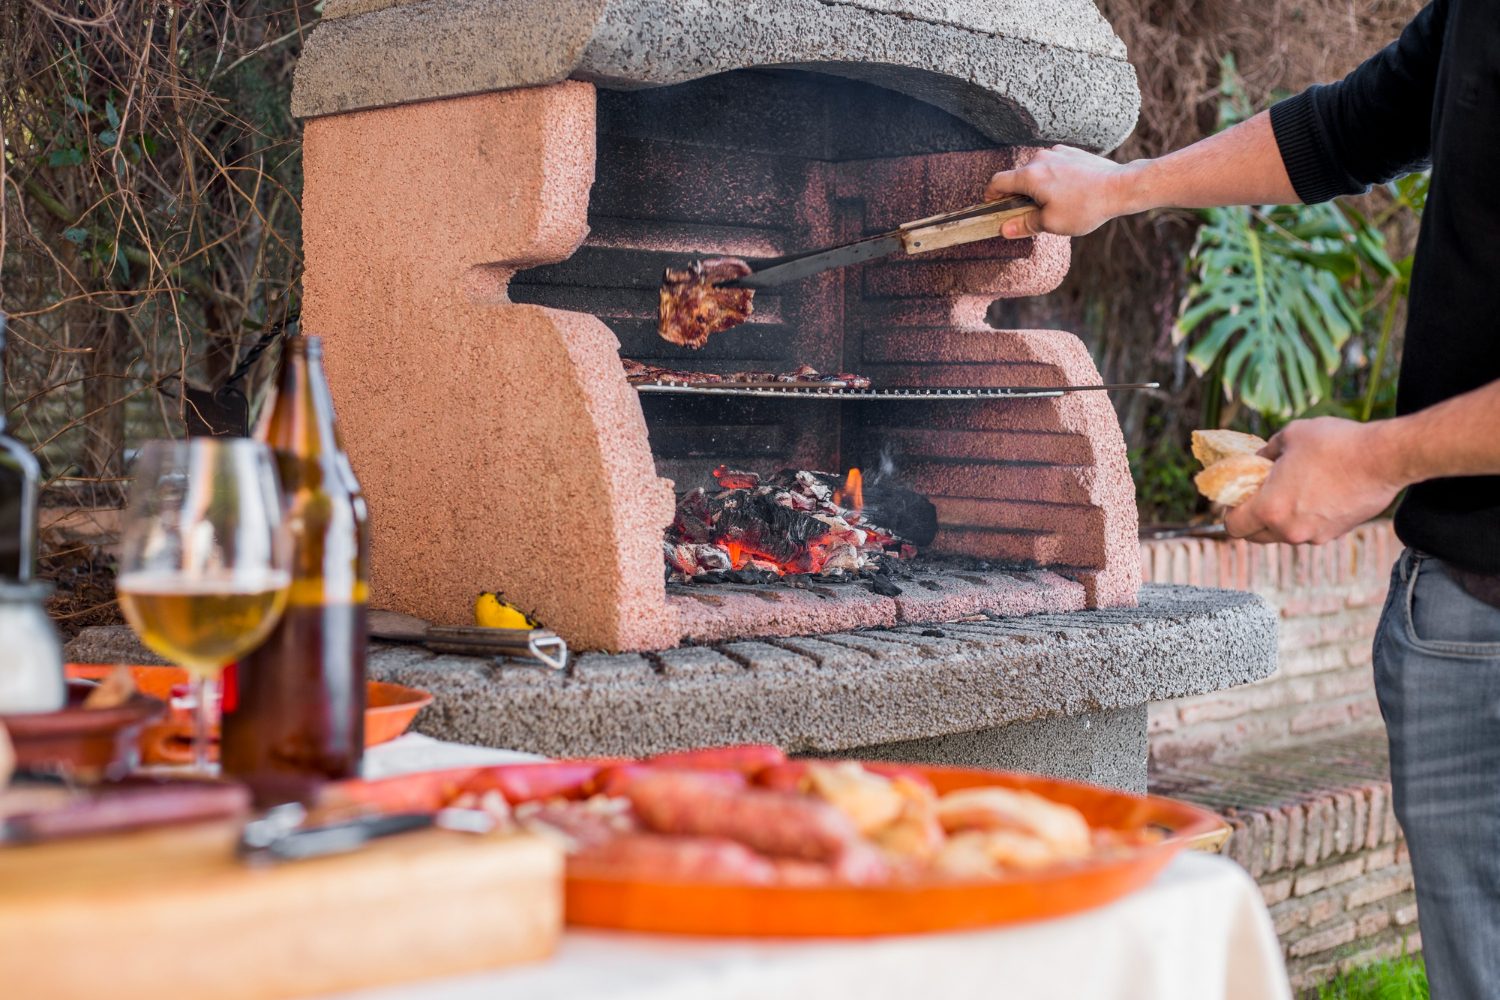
{"x": 1313, "y": 824}
{"x": 1329, "y": 597}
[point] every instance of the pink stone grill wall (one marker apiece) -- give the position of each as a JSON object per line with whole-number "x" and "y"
{"x": 488, "y": 436}
{"x": 759, "y": 164}
{"x": 491, "y": 425}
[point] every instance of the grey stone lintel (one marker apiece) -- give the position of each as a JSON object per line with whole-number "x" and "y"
{"x": 1021, "y": 72}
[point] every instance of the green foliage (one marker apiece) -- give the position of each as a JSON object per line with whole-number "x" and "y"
{"x": 1267, "y": 308}
{"x": 1278, "y": 291}
{"x": 1163, "y": 472}
{"x": 1403, "y": 978}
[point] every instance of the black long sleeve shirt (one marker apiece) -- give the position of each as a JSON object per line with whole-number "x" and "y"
{"x": 1430, "y": 97}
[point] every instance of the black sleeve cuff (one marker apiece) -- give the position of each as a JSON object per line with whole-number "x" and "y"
{"x": 1305, "y": 150}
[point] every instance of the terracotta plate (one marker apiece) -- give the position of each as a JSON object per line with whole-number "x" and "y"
{"x": 389, "y": 710}
{"x": 720, "y": 909}
{"x": 91, "y": 741}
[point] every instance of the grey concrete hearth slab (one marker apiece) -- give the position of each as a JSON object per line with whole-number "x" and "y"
{"x": 857, "y": 689}
{"x": 1062, "y": 693}
{"x": 1102, "y": 748}
{"x": 1020, "y": 72}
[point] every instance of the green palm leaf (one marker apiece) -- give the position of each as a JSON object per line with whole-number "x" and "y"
{"x": 1268, "y": 302}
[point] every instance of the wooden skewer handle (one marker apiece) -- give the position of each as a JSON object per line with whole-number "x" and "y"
{"x": 967, "y": 225}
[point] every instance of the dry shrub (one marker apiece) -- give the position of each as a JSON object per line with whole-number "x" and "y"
{"x": 150, "y": 223}
{"x": 150, "y": 229}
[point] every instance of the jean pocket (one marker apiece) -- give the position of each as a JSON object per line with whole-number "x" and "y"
{"x": 1442, "y": 618}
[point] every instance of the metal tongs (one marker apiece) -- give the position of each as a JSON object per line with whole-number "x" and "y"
{"x": 539, "y": 645}
{"x": 936, "y": 232}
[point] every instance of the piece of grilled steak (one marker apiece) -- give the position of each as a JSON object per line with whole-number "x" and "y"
{"x": 694, "y": 306}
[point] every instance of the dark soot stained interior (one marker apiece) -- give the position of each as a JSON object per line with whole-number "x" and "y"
{"x": 744, "y": 164}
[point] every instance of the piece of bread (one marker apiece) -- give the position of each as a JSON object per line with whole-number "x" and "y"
{"x": 1212, "y": 446}
{"x": 1233, "y": 480}
{"x": 989, "y": 809}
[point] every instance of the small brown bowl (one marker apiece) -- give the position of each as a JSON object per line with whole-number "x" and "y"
{"x": 389, "y": 711}
{"x": 87, "y": 742}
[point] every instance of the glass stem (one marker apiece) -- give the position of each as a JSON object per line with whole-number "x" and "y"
{"x": 203, "y": 691}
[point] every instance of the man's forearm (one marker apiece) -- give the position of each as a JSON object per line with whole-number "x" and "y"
{"x": 1078, "y": 191}
{"x": 1457, "y": 437}
{"x": 1239, "y": 166}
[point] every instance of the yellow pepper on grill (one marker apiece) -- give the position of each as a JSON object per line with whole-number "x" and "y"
{"x": 493, "y": 611}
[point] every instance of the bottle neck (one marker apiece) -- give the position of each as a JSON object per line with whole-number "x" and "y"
{"x": 301, "y": 420}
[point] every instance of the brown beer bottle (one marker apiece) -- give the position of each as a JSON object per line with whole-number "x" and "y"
{"x": 294, "y": 714}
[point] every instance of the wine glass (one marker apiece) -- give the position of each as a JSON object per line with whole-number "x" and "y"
{"x": 204, "y": 559}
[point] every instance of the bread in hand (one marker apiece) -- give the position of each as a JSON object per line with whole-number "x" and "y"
{"x": 1212, "y": 446}
{"x": 1233, "y": 480}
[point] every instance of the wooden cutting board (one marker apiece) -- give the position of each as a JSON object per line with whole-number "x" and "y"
{"x": 171, "y": 913}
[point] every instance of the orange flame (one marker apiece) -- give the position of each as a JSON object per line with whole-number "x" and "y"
{"x": 852, "y": 494}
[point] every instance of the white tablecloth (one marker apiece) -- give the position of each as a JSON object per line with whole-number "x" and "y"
{"x": 415, "y": 752}
{"x": 1199, "y": 932}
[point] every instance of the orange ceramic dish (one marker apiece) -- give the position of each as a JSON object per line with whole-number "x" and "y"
{"x": 389, "y": 710}
{"x": 729, "y": 909}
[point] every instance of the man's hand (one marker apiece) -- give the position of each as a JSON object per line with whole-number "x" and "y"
{"x": 1078, "y": 192}
{"x": 1330, "y": 476}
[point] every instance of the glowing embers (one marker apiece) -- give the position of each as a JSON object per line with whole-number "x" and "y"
{"x": 796, "y": 522}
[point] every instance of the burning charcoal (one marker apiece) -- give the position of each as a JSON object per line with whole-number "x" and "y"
{"x": 753, "y": 575}
{"x": 814, "y": 486}
{"x": 680, "y": 558}
{"x": 734, "y": 479}
{"x": 758, "y": 530}
{"x": 691, "y": 523}
{"x": 795, "y": 501}
{"x": 843, "y": 556}
{"x": 711, "y": 559}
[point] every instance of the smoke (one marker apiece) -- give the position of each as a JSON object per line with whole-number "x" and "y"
{"x": 885, "y": 466}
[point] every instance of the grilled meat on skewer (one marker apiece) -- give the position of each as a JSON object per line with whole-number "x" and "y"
{"x": 693, "y": 306}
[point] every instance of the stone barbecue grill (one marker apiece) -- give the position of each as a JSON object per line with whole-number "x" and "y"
{"x": 492, "y": 190}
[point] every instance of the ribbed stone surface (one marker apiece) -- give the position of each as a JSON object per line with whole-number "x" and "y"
{"x": 1023, "y": 73}
{"x": 952, "y": 688}
{"x": 852, "y": 689}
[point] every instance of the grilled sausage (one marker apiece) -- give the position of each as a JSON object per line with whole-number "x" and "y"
{"x": 648, "y": 857}
{"x": 774, "y": 823}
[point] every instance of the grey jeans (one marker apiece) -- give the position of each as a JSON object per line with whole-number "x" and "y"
{"x": 1437, "y": 674}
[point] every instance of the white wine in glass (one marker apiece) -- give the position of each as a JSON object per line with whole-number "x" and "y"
{"x": 201, "y": 624}
{"x": 204, "y": 557}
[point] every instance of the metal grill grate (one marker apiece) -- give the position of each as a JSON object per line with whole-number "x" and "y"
{"x": 839, "y": 394}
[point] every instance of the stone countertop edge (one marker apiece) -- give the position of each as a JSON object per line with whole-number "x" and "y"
{"x": 851, "y": 689}
{"x": 1062, "y": 78}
